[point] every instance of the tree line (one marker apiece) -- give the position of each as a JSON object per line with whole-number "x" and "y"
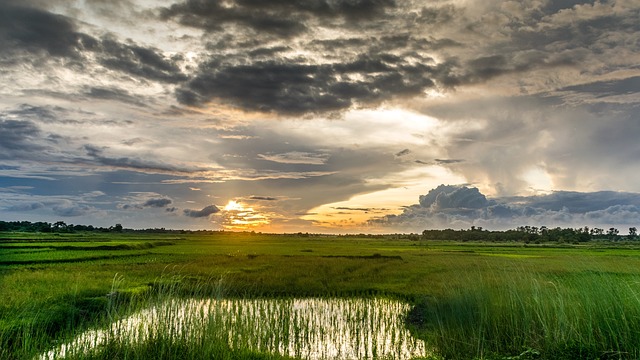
{"x": 531, "y": 234}
{"x": 527, "y": 234}
{"x": 57, "y": 227}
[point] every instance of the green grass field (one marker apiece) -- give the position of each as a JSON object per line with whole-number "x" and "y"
{"x": 471, "y": 300}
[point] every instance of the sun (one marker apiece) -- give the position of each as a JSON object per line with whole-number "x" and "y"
{"x": 236, "y": 216}
{"x": 233, "y": 206}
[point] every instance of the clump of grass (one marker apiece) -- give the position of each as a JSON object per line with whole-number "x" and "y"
{"x": 525, "y": 315}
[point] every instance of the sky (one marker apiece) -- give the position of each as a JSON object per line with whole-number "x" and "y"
{"x": 333, "y": 116}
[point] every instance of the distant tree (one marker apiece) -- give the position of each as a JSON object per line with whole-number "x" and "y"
{"x": 59, "y": 226}
{"x": 633, "y": 233}
{"x": 613, "y": 233}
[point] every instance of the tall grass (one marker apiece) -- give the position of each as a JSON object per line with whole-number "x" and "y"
{"x": 523, "y": 315}
{"x": 204, "y": 325}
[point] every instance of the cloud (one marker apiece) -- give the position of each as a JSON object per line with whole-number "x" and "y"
{"x": 19, "y": 135}
{"x": 403, "y": 152}
{"x": 206, "y": 211}
{"x": 30, "y": 30}
{"x": 298, "y": 87}
{"x": 34, "y": 30}
{"x": 26, "y": 206}
{"x": 68, "y": 208}
{"x": 114, "y": 94}
{"x": 34, "y": 113}
{"x": 296, "y": 157}
{"x": 280, "y": 18}
{"x": 453, "y": 197}
{"x": 439, "y": 162}
{"x": 447, "y": 161}
{"x": 22, "y": 139}
{"x": 576, "y": 146}
{"x": 140, "y": 61}
{"x": 146, "y": 200}
{"x": 157, "y": 203}
{"x": 97, "y": 155}
{"x": 457, "y": 206}
{"x": 365, "y": 210}
{"x": 263, "y": 198}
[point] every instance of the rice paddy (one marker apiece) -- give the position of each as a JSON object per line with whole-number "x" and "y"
{"x": 253, "y": 296}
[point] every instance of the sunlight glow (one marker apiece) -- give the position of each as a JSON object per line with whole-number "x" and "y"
{"x": 352, "y": 214}
{"x": 538, "y": 179}
{"x": 238, "y": 217}
{"x": 233, "y": 206}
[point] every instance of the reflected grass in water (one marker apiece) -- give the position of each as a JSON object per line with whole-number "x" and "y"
{"x": 309, "y": 328}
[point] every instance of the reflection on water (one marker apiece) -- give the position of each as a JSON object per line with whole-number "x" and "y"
{"x": 306, "y": 328}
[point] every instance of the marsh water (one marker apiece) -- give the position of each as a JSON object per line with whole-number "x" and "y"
{"x": 307, "y": 328}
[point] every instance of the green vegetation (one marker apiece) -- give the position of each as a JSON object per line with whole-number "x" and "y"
{"x": 321, "y": 327}
{"x": 572, "y": 315}
{"x": 490, "y": 300}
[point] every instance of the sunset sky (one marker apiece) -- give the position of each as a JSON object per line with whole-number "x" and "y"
{"x": 320, "y": 115}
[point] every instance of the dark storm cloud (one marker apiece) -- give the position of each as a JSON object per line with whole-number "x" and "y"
{"x": 139, "y": 61}
{"x": 22, "y": 140}
{"x": 19, "y": 135}
{"x": 357, "y": 71}
{"x": 460, "y": 206}
{"x": 438, "y": 15}
{"x": 277, "y": 17}
{"x": 388, "y": 67}
{"x": 34, "y": 30}
{"x": 206, "y": 211}
{"x": 298, "y": 88}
